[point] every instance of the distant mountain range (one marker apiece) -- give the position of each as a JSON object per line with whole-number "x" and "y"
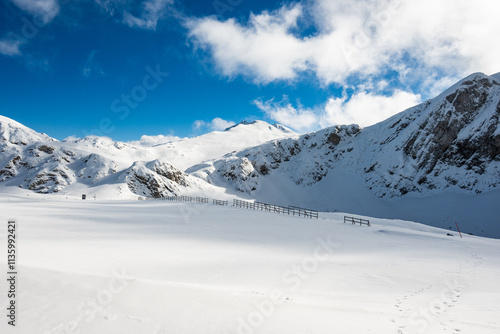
{"x": 437, "y": 163}
{"x": 98, "y": 165}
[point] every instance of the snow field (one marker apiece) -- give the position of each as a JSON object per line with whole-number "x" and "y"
{"x": 162, "y": 267}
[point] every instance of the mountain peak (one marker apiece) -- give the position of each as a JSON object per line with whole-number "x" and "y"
{"x": 15, "y": 133}
{"x": 261, "y": 126}
{"x": 474, "y": 78}
{"x": 240, "y": 123}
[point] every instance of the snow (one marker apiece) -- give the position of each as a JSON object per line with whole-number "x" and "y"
{"x": 496, "y": 76}
{"x": 161, "y": 267}
{"x": 16, "y": 133}
{"x": 188, "y": 152}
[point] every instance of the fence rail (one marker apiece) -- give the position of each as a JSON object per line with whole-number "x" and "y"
{"x": 219, "y": 202}
{"x": 354, "y": 220}
{"x": 202, "y": 200}
{"x": 290, "y": 210}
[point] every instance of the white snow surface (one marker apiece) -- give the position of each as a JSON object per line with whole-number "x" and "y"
{"x": 155, "y": 267}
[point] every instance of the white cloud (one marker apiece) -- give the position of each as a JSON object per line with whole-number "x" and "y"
{"x": 155, "y": 140}
{"x": 153, "y": 11}
{"x": 301, "y": 119}
{"x": 217, "y": 124}
{"x": 362, "y": 108}
{"x": 71, "y": 139}
{"x": 265, "y": 49}
{"x": 356, "y": 39}
{"x": 45, "y": 10}
{"x": 197, "y": 125}
{"x": 10, "y": 47}
{"x": 366, "y": 108}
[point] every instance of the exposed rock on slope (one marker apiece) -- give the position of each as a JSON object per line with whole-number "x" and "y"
{"x": 158, "y": 179}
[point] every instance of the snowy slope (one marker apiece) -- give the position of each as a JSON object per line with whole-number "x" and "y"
{"x": 188, "y": 152}
{"x": 157, "y": 267}
{"x": 447, "y": 148}
{"x": 14, "y": 133}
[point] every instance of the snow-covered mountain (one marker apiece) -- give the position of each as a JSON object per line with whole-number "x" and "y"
{"x": 438, "y": 162}
{"x": 190, "y": 151}
{"x": 435, "y": 156}
{"x": 34, "y": 161}
{"x": 451, "y": 142}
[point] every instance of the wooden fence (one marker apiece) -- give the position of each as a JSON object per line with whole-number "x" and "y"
{"x": 354, "y": 220}
{"x": 290, "y": 210}
{"x": 219, "y": 202}
{"x": 184, "y": 199}
{"x": 305, "y": 212}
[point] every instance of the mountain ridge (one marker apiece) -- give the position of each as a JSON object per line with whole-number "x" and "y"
{"x": 39, "y": 163}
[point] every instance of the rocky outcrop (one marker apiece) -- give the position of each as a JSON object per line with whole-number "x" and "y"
{"x": 445, "y": 137}
{"x": 241, "y": 174}
{"x": 156, "y": 179}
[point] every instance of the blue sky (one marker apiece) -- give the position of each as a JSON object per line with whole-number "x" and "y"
{"x": 74, "y": 68}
